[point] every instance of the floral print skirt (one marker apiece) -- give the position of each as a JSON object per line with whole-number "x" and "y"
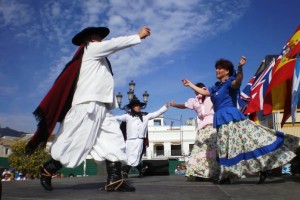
{"x": 202, "y": 162}
{"x": 245, "y": 147}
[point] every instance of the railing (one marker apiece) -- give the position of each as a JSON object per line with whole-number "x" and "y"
{"x": 159, "y": 153}
{"x": 176, "y": 153}
{"x": 163, "y": 153}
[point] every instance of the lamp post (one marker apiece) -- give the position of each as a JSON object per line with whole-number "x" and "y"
{"x": 131, "y": 95}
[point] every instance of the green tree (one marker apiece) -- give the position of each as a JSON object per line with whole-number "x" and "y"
{"x": 24, "y": 163}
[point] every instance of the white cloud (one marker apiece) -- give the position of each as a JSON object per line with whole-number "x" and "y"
{"x": 117, "y": 21}
{"x": 176, "y": 25}
{"x": 50, "y": 25}
{"x": 14, "y": 13}
{"x": 92, "y": 12}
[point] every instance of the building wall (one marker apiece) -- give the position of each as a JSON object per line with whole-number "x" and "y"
{"x": 171, "y": 139}
{"x": 288, "y": 127}
{"x": 5, "y": 145}
{"x": 273, "y": 121}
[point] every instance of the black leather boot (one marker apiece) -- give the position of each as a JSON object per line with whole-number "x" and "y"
{"x": 114, "y": 178}
{"x": 262, "y": 177}
{"x": 142, "y": 169}
{"x": 125, "y": 171}
{"x": 46, "y": 171}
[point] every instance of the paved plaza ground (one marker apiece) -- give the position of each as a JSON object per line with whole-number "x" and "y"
{"x": 155, "y": 188}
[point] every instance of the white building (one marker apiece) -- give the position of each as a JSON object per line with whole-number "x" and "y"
{"x": 170, "y": 141}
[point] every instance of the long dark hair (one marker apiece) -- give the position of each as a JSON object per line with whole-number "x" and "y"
{"x": 201, "y": 85}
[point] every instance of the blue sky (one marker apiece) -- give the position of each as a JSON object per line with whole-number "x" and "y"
{"x": 187, "y": 38}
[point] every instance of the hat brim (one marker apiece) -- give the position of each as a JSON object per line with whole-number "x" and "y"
{"x": 129, "y": 106}
{"x": 80, "y": 37}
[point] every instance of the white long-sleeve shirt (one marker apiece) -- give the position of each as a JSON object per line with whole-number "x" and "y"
{"x": 135, "y": 128}
{"x": 95, "y": 81}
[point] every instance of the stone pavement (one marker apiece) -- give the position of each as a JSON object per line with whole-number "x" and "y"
{"x": 155, "y": 188}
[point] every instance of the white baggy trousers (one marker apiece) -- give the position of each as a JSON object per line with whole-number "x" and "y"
{"x": 134, "y": 150}
{"x": 88, "y": 128}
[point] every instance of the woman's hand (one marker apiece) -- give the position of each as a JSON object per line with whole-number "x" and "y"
{"x": 186, "y": 82}
{"x": 242, "y": 61}
{"x": 172, "y": 103}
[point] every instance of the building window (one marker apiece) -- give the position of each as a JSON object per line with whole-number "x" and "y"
{"x": 157, "y": 122}
{"x": 6, "y": 150}
{"x": 159, "y": 149}
{"x": 175, "y": 150}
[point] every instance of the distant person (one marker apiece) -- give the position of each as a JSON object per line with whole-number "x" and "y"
{"x": 136, "y": 133}
{"x": 81, "y": 99}
{"x": 7, "y": 177}
{"x": 202, "y": 163}
{"x": 181, "y": 170}
{"x": 177, "y": 169}
{"x": 5, "y": 171}
{"x": 243, "y": 146}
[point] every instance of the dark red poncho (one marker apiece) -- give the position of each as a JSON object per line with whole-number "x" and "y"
{"x": 57, "y": 102}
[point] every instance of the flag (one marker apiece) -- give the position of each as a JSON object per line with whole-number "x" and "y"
{"x": 295, "y": 90}
{"x": 245, "y": 96}
{"x": 257, "y": 86}
{"x": 278, "y": 94}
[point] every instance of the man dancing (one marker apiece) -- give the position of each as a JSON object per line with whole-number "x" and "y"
{"x": 81, "y": 99}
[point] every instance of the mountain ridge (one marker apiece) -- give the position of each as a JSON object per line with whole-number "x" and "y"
{"x": 10, "y": 132}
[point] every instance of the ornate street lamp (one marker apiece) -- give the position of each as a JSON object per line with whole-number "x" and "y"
{"x": 145, "y": 97}
{"x": 131, "y": 95}
{"x": 131, "y": 85}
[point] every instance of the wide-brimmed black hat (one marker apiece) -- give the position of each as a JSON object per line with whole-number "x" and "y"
{"x": 79, "y": 38}
{"x": 133, "y": 102}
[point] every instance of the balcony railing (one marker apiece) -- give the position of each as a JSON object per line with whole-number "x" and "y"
{"x": 160, "y": 153}
{"x": 163, "y": 153}
{"x": 175, "y": 152}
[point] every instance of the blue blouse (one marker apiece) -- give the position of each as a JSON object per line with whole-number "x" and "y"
{"x": 224, "y": 99}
